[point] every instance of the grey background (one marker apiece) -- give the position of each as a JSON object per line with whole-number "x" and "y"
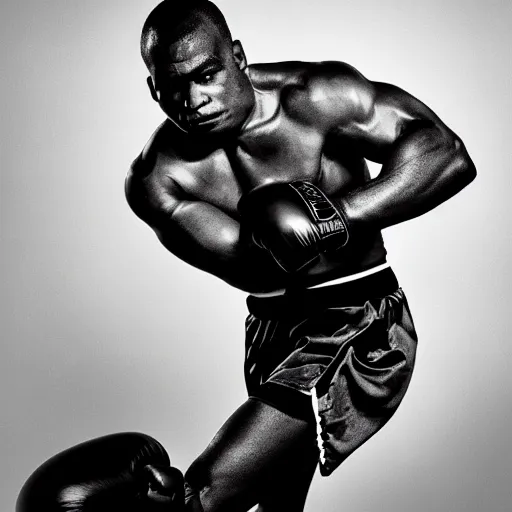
{"x": 104, "y": 331}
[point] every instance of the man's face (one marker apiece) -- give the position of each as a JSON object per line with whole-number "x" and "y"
{"x": 200, "y": 84}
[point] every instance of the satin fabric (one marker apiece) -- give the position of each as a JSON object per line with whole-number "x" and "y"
{"x": 347, "y": 367}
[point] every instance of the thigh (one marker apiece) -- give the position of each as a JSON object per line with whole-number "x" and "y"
{"x": 244, "y": 463}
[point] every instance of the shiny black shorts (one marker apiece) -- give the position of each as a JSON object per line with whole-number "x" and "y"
{"x": 340, "y": 355}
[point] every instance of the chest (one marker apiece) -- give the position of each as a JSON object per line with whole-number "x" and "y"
{"x": 279, "y": 150}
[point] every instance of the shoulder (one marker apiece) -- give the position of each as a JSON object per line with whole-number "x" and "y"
{"x": 330, "y": 92}
{"x": 149, "y": 187}
{"x": 276, "y": 75}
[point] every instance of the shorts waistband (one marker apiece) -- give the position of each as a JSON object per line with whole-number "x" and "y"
{"x": 339, "y": 280}
{"x": 352, "y": 277}
{"x": 335, "y": 293}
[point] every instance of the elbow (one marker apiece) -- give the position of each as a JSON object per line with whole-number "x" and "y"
{"x": 461, "y": 169}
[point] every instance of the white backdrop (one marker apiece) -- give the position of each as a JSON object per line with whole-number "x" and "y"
{"x": 104, "y": 331}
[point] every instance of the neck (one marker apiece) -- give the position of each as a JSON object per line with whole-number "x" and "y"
{"x": 255, "y": 110}
{"x": 266, "y": 107}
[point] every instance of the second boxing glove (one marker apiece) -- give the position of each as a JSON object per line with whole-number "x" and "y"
{"x": 125, "y": 472}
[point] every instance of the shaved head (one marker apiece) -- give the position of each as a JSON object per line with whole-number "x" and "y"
{"x": 198, "y": 74}
{"x": 175, "y": 19}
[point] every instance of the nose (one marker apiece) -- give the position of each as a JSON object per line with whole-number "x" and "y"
{"x": 195, "y": 97}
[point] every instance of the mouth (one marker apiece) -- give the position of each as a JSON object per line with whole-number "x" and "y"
{"x": 206, "y": 120}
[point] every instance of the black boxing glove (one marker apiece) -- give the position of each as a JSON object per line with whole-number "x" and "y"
{"x": 126, "y": 472}
{"x": 295, "y": 222}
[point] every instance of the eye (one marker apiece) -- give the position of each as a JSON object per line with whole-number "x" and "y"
{"x": 204, "y": 79}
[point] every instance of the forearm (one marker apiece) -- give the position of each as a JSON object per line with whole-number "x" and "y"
{"x": 248, "y": 267}
{"x": 425, "y": 167}
{"x": 255, "y": 272}
{"x": 224, "y": 250}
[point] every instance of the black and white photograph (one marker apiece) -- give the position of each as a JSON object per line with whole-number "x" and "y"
{"x": 256, "y": 256}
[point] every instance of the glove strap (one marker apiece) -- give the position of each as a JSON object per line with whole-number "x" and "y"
{"x": 331, "y": 223}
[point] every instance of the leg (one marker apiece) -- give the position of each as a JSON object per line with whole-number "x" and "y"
{"x": 288, "y": 485}
{"x": 248, "y": 461}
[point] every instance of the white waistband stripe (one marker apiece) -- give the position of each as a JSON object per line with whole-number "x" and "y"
{"x": 339, "y": 280}
{"x": 352, "y": 277}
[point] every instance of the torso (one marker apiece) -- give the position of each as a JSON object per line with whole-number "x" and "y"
{"x": 278, "y": 146}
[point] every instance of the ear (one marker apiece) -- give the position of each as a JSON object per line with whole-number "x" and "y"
{"x": 152, "y": 89}
{"x": 239, "y": 54}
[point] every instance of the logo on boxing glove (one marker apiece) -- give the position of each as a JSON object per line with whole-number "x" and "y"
{"x": 329, "y": 220}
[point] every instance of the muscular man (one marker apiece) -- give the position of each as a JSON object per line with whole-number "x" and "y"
{"x": 258, "y": 176}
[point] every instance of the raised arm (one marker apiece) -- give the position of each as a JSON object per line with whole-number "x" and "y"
{"x": 423, "y": 161}
{"x": 423, "y": 164}
{"x": 200, "y": 233}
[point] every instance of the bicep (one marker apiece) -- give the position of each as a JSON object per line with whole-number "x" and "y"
{"x": 391, "y": 113}
{"x": 195, "y": 231}
{"x": 371, "y": 116}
